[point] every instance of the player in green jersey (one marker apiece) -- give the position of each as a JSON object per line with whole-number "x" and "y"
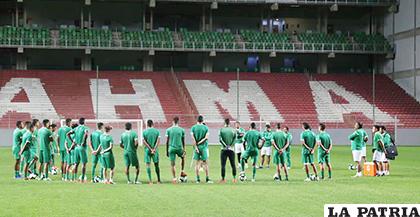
{"x": 17, "y": 141}
{"x": 357, "y": 140}
{"x": 34, "y": 150}
{"x": 308, "y": 139}
{"x": 27, "y": 124}
{"x": 387, "y": 143}
{"x": 25, "y": 150}
{"x": 151, "y": 140}
{"x": 324, "y": 151}
{"x": 288, "y": 149}
{"x": 239, "y": 143}
{"x": 45, "y": 138}
{"x": 251, "y": 144}
{"x": 54, "y": 149}
{"x": 199, "y": 135}
{"x": 227, "y": 137}
{"x": 267, "y": 136}
{"x": 280, "y": 143}
{"x": 95, "y": 140}
{"x": 175, "y": 146}
{"x": 62, "y": 142}
{"x": 70, "y": 155}
{"x": 79, "y": 143}
{"x": 105, "y": 148}
{"x": 129, "y": 142}
{"x": 380, "y": 151}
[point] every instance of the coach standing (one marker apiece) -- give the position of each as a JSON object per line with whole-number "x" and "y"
{"x": 227, "y": 136}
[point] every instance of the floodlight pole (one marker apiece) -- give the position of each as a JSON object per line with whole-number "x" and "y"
{"x": 373, "y": 95}
{"x": 237, "y": 94}
{"x": 97, "y": 92}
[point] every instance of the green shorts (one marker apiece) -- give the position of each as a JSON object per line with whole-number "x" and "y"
{"x": 63, "y": 155}
{"x": 202, "y": 153}
{"x": 250, "y": 153}
{"x": 15, "y": 152}
{"x": 44, "y": 156}
{"x": 131, "y": 159}
{"x": 324, "y": 157}
{"x": 307, "y": 158}
{"x": 80, "y": 155}
{"x": 148, "y": 157}
{"x": 70, "y": 157}
{"x": 27, "y": 156}
{"x": 108, "y": 160}
{"x": 279, "y": 158}
{"x": 97, "y": 158}
{"x": 173, "y": 152}
{"x": 34, "y": 153}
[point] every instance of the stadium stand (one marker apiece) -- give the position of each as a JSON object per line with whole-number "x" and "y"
{"x": 24, "y": 36}
{"x": 281, "y": 97}
{"x": 218, "y": 40}
{"x": 85, "y": 37}
{"x": 147, "y": 39}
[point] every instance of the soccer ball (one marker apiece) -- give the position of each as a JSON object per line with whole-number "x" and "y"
{"x": 54, "y": 170}
{"x": 352, "y": 167}
{"x": 242, "y": 177}
{"x": 183, "y": 178}
{"x": 97, "y": 179}
{"x": 313, "y": 177}
{"x": 276, "y": 177}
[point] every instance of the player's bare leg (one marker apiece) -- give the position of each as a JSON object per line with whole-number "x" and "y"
{"x": 127, "y": 173}
{"x": 329, "y": 170}
{"x": 278, "y": 174}
{"x": 321, "y": 167}
{"x": 197, "y": 170}
{"x": 157, "y": 170}
{"x": 268, "y": 161}
{"x": 307, "y": 170}
{"x": 173, "y": 170}
{"x": 314, "y": 169}
{"x": 111, "y": 176}
{"x": 286, "y": 173}
{"x": 262, "y": 161}
{"x": 83, "y": 172}
{"x": 136, "y": 180}
{"x": 17, "y": 165}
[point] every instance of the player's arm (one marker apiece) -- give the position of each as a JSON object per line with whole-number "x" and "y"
{"x": 58, "y": 140}
{"x": 85, "y": 137}
{"x": 167, "y": 145}
{"x": 109, "y": 148}
{"x": 71, "y": 132}
{"x": 183, "y": 146}
{"x": 331, "y": 145}
{"x": 305, "y": 145}
{"x": 204, "y": 139}
{"x": 90, "y": 144}
{"x": 287, "y": 145}
{"x": 23, "y": 147}
{"x": 156, "y": 144}
{"x": 221, "y": 140}
{"x": 382, "y": 145}
{"x": 275, "y": 145}
{"x": 147, "y": 144}
{"x": 194, "y": 142}
{"x": 353, "y": 135}
{"x": 321, "y": 145}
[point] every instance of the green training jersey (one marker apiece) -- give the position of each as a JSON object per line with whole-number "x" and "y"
{"x": 62, "y": 134}
{"x": 106, "y": 141}
{"x": 176, "y": 134}
{"x": 28, "y": 137}
{"x": 199, "y": 132}
{"x": 387, "y": 140}
{"x": 79, "y": 134}
{"x": 151, "y": 136}
{"x": 267, "y": 137}
{"x": 17, "y": 137}
{"x": 280, "y": 139}
{"x": 325, "y": 139}
{"x": 240, "y": 133}
{"x": 128, "y": 139}
{"x": 356, "y": 139}
{"x": 376, "y": 138}
{"x": 364, "y": 134}
{"x": 44, "y": 135}
{"x": 252, "y": 139}
{"x": 309, "y": 138}
{"x": 289, "y": 138}
{"x": 53, "y": 143}
{"x": 227, "y": 137}
{"x": 35, "y": 141}
{"x": 95, "y": 139}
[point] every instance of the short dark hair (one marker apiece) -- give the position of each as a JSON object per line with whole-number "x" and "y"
{"x": 377, "y": 127}
{"x": 82, "y": 121}
{"x": 253, "y": 125}
{"x": 74, "y": 125}
{"x": 52, "y": 126}
{"x": 128, "y": 126}
{"x": 68, "y": 120}
{"x": 108, "y": 128}
{"x": 45, "y": 122}
{"x": 306, "y": 126}
{"x": 287, "y": 128}
{"x": 360, "y": 124}
{"x": 18, "y": 124}
{"x": 278, "y": 126}
{"x": 200, "y": 119}
{"x": 322, "y": 126}
{"x": 149, "y": 123}
{"x": 99, "y": 125}
{"x": 35, "y": 121}
{"x": 227, "y": 121}
{"x": 383, "y": 127}
{"x": 28, "y": 124}
{"x": 176, "y": 119}
{"x": 268, "y": 126}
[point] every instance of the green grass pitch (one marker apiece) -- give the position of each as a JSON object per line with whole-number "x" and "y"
{"x": 262, "y": 198}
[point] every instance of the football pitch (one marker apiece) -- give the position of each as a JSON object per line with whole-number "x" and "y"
{"x": 262, "y": 198}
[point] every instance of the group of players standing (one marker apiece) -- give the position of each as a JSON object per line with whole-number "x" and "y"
{"x": 73, "y": 141}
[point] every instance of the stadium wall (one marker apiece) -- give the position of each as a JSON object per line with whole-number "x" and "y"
{"x": 404, "y": 29}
